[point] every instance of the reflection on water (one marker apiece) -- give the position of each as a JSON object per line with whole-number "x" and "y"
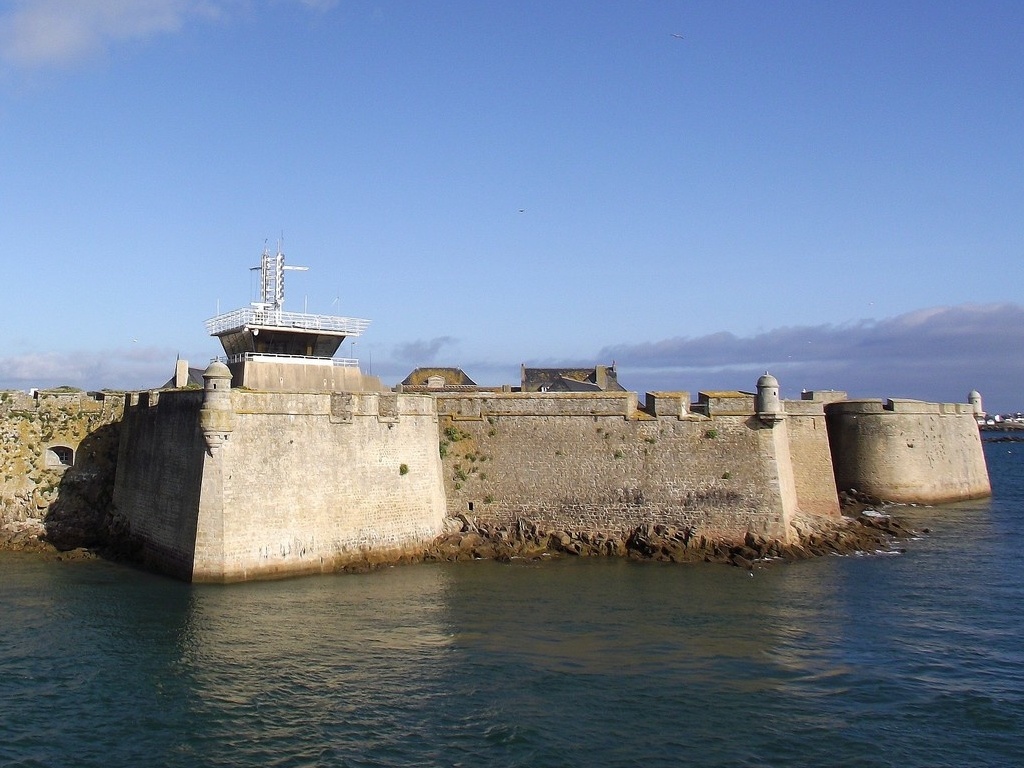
{"x": 296, "y": 661}
{"x": 908, "y": 659}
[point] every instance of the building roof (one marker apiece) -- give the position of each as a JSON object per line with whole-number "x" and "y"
{"x": 195, "y": 378}
{"x": 601, "y": 378}
{"x": 453, "y": 377}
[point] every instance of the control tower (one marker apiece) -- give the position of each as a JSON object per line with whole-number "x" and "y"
{"x": 269, "y": 349}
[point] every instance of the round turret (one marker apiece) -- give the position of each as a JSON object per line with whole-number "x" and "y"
{"x": 217, "y": 376}
{"x": 216, "y": 417}
{"x": 767, "y": 399}
{"x": 974, "y": 398}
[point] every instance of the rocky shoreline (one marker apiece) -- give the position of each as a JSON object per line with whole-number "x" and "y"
{"x": 869, "y": 531}
{"x": 861, "y": 529}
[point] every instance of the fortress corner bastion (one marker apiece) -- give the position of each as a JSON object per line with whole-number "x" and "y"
{"x": 908, "y": 451}
{"x": 228, "y": 485}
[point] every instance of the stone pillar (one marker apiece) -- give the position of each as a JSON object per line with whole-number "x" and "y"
{"x": 180, "y": 374}
{"x": 216, "y": 417}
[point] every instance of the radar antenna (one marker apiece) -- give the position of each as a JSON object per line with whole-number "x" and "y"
{"x": 272, "y": 269}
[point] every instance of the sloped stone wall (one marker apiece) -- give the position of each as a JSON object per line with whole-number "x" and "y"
{"x": 303, "y": 483}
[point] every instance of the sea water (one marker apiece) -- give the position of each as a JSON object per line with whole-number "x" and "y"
{"x": 912, "y": 659}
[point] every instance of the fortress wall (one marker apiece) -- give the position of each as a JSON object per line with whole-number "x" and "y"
{"x": 310, "y": 482}
{"x": 907, "y": 451}
{"x": 593, "y": 462}
{"x": 159, "y": 475}
{"x": 32, "y": 482}
{"x": 811, "y": 458}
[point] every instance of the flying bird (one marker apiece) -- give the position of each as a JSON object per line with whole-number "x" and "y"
{"x": 677, "y": 37}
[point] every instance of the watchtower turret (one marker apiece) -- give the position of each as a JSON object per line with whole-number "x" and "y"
{"x": 216, "y": 417}
{"x": 974, "y": 398}
{"x": 766, "y": 402}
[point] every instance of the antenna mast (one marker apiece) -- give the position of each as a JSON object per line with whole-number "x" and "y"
{"x": 272, "y": 268}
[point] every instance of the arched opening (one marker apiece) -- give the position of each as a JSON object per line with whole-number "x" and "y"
{"x": 60, "y": 456}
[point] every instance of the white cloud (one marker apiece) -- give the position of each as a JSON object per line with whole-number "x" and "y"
{"x": 126, "y": 368}
{"x": 422, "y": 352}
{"x": 39, "y": 33}
{"x": 933, "y": 354}
{"x": 42, "y": 32}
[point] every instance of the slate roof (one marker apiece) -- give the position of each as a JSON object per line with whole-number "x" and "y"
{"x": 601, "y": 378}
{"x": 453, "y": 377}
{"x": 195, "y": 378}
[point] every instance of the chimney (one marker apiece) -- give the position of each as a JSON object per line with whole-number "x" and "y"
{"x": 180, "y": 374}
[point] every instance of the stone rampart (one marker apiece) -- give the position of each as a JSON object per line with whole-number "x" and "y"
{"x": 300, "y": 483}
{"x": 160, "y": 469}
{"x": 58, "y": 452}
{"x": 812, "y": 461}
{"x": 595, "y": 461}
{"x": 907, "y": 451}
{"x": 225, "y": 484}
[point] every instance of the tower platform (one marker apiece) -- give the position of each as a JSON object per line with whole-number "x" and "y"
{"x": 269, "y": 349}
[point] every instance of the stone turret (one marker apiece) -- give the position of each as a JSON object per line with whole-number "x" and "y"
{"x": 767, "y": 403}
{"x": 216, "y": 417}
{"x": 974, "y": 398}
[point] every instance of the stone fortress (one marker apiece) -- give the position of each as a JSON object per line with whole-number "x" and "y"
{"x": 290, "y": 460}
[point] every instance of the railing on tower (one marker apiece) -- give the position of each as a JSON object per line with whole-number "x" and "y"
{"x": 268, "y": 313}
{"x": 254, "y": 317}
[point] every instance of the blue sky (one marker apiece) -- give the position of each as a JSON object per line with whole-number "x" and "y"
{"x": 698, "y": 191}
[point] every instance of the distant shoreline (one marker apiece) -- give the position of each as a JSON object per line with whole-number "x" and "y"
{"x": 1002, "y": 433}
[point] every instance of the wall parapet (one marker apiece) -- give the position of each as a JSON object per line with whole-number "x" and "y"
{"x": 331, "y": 404}
{"x": 897, "y": 405}
{"x": 725, "y": 403}
{"x": 675, "y": 404}
{"x": 482, "y": 404}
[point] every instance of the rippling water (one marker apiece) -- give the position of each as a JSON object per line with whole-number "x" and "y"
{"x": 905, "y": 660}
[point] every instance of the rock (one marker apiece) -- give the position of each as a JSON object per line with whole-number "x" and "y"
{"x": 755, "y": 542}
{"x": 522, "y": 538}
{"x": 485, "y": 552}
{"x": 742, "y": 562}
{"x": 747, "y": 553}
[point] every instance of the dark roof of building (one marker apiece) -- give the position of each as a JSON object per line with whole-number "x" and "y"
{"x": 453, "y": 377}
{"x": 601, "y": 378}
{"x": 563, "y": 384}
{"x": 195, "y": 378}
